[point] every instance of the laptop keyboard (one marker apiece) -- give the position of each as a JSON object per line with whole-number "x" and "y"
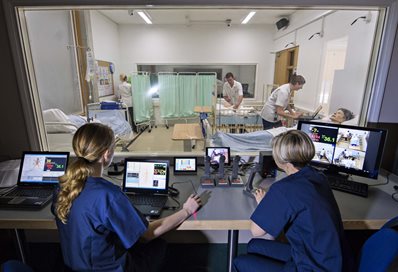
{"x": 154, "y": 201}
{"x": 30, "y": 193}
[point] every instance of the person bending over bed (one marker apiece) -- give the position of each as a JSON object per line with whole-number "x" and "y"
{"x": 99, "y": 228}
{"x": 278, "y": 102}
{"x": 315, "y": 232}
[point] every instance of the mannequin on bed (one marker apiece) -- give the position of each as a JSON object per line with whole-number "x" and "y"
{"x": 261, "y": 140}
{"x": 341, "y": 115}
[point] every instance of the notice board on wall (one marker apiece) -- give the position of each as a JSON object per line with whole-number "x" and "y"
{"x": 104, "y": 78}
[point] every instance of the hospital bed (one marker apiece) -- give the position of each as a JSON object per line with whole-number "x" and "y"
{"x": 244, "y": 119}
{"x": 57, "y": 123}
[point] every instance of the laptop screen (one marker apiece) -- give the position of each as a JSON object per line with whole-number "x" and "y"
{"x": 146, "y": 176}
{"x": 42, "y": 167}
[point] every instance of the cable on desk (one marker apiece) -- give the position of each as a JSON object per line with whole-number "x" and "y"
{"x": 185, "y": 181}
{"x": 173, "y": 207}
{"x": 385, "y": 183}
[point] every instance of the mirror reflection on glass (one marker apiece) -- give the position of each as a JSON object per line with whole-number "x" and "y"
{"x": 332, "y": 49}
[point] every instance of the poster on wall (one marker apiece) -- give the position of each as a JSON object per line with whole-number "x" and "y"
{"x": 104, "y": 78}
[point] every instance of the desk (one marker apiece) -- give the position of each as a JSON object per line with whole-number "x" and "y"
{"x": 187, "y": 132}
{"x": 229, "y": 209}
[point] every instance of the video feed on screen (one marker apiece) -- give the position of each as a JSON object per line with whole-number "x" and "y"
{"x": 215, "y": 154}
{"x": 339, "y": 146}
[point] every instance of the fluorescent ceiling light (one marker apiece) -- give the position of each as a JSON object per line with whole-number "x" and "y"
{"x": 145, "y": 17}
{"x": 248, "y": 17}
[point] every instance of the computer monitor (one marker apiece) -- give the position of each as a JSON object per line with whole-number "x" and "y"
{"x": 215, "y": 153}
{"x": 346, "y": 149}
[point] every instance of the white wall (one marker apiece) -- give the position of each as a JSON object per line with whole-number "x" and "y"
{"x": 199, "y": 44}
{"x": 105, "y": 37}
{"x": 54, "y": 63}
{"x": 349, "y": 83}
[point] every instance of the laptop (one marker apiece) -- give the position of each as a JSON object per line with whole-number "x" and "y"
{"x": 38, "y": 175}
{"x": 311, "y": 116}
{"x": 146, "y": 184}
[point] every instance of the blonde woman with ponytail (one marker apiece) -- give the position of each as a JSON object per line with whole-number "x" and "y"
{"x": 99, "y": 228}
{"x": 302, "y": 207}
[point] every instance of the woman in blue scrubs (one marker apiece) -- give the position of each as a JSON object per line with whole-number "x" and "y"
{"x": 99, "y": 228}
{"x": 301, "y": 206}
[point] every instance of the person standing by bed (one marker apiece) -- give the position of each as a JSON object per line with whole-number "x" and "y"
{"x": 278, "y": 102}
{"x": 126, "y": 97}
{"x": 232, "y": 91}
{"x": 99, "y": 228}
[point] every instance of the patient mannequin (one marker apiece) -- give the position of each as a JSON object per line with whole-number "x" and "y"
{"x": 341, "y": 115}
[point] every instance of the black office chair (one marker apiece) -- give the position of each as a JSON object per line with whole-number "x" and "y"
{"x": 15, "y": 266}
{"x": 380, "y": 251}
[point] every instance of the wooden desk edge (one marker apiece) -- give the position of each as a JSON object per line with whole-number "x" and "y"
{"x": 352, "y": 224}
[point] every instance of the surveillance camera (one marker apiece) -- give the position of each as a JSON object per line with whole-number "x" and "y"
{"x": 131, "y": 12}
{"x": 228, "y": 22}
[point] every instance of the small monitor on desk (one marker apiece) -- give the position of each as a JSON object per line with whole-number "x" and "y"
{"x": 346, "y": 149}
{"x": 185, "y": 166}
{"x": 215, "y": 153}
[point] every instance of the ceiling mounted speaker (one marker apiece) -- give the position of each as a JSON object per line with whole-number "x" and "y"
{"x": 282, "y": 23}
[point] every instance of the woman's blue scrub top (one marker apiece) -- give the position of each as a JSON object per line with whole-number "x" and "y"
{"x": 101, "y": 225}
{"x": 303, "y": 206}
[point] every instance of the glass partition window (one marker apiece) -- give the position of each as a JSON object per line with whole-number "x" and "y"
{"x": 333, "y": 54}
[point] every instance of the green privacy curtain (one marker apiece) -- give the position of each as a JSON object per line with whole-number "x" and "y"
{"x": 142, "y": 100}
{"x": 206, "y": 89}
{"x": 168, "y": 94}
{"x": 186, "y": 94}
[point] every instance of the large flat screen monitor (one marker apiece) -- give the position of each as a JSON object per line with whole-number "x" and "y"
{"x": 346, "y": 149}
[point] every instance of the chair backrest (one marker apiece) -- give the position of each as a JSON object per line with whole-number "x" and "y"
{"x": 381, "y": 249}
{"x": 15, "y": 266}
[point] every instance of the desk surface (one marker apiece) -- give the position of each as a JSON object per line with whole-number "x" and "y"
{"x": 187, "y": 132}
{"x": 229, "y": 208}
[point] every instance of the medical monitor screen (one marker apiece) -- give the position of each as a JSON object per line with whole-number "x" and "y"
{"x": 347, "y": 149}
{"x": 42, "y": 167}
{"x": 215, "y": 153}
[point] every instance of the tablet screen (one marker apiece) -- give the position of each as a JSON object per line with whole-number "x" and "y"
{"x": 215, "y": 153}
{"x": 185, "y": 165}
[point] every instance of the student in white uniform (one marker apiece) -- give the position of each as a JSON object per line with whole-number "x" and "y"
{"x": 278, "y": 102}
{"x": 232, "y": 91}
{"x": 126, "y": 96}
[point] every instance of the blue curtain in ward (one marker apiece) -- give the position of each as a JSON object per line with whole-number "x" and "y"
{"x": 187, "y": 95}
{"x": 206, "y": 88}
{"x": 142, "y": 100}
{"x": 168, "y": 94}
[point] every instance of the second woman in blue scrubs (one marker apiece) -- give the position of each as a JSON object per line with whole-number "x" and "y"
{"x": 301, "y": 206}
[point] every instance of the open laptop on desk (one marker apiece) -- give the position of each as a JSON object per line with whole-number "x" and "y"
{"x": 311, "y": 116}
{"x": 146, "y": 184}
{"x": 38, "y": 175}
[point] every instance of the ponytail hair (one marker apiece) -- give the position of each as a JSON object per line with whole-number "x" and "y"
{"x": 294, "y": 79}
{"x": 90, "y": 143}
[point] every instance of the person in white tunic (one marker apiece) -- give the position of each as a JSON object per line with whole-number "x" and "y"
{"x": 278, "y": 102}
{"x": 232, "y": 91}
{"x": 126, "y": 97}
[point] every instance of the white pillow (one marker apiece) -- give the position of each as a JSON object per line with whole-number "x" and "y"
{"x": 58, "y": 122}
{"x": 353, "y": 122}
